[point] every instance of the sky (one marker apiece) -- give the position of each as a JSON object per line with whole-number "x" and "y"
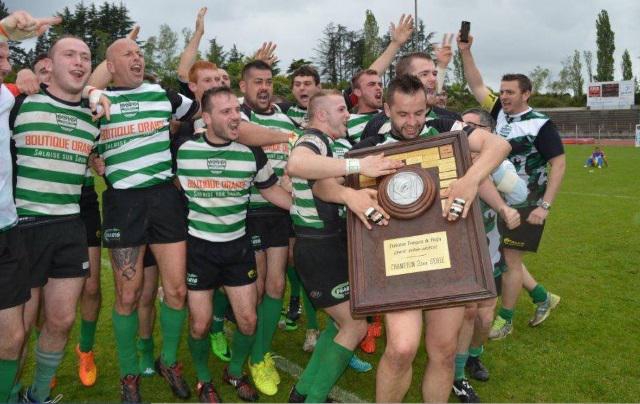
{"x": 511, "y": 36}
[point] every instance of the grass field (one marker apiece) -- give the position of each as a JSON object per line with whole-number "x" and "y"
{"x": 587, "y": 351}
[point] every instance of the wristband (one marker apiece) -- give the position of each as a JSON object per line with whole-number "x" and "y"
{"x": 352, "y": 166}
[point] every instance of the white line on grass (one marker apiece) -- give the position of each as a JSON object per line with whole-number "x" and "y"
{"x": 594, "y": 194}
{"x": 337, "y": 393}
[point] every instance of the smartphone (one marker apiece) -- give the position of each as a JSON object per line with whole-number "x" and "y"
{"x": 464, "y": 31}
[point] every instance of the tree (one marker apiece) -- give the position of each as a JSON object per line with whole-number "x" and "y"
{"x": 588, "y": 61}
{"x": 605, "y": 42}
{"x": 576, "y": 81}
{"x": 296, "y": 64}
{"x": 539, "y": 76}
{"x": 458, "y": 70}
{"x": 216, "y": 53}
{"x": 371, "y": 42}
{"x": 627, "y": 69}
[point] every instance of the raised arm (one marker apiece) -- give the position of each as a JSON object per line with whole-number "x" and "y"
{"x": 443, "y": 58}
{"x": 400, "y": 34}
{"x": 471, "y": 72}
{"x": 21, "y": 25}
{"x": 188, "y": 56}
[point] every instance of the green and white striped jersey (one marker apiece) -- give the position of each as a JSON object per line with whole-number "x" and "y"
{"x": 135, "y": 142}
{"x": 8, "y": 214}
{"x": 278, "y": 154}
{"x": 356, "y": 125}
{"x": 216, "y": 180}
{"x": 310, "y": 214}
{"x": 298, "y": 115}
{"x": 53, "y": 141}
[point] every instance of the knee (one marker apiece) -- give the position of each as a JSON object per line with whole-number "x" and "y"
{"x": 11, "y": 345}
{"x": 60, "y": 322}
{"x": 92, "y": 290}
{"x": 470, "y": 312}
{"x": 175, "y": 295}
{"x": 275, "y": 286}
{"x": 442, "y": 353}
{"x": 200, "y": 327}
{"x": 485, "y": 319}
{"x": 247, "y": 323}
{"x": 400, "y": 356}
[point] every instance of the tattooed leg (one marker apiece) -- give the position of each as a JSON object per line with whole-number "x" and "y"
{"x": 128, "y": 277}
{"x": 125, "y": 260}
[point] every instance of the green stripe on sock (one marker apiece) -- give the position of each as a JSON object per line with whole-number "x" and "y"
{"x": 125, "y": 329}
{"x": 476, "y": 352}
{"x": 538, "y": 294}
{"x": 8, "y": 370}
{"x": 87, "y": 335}
{"x": 46, "y": 365}
{"x": 507, "y": 314}
{"x": 171, "y": 322}
{"x": 200, "y": 354}
{"x": 240, "y": 349}
{"x": 461, "y": 360}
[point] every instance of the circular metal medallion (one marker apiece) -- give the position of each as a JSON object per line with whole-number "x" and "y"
{"x": 405, "y": 188}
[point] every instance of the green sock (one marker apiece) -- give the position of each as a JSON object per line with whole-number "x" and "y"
{"x": 538, "y": 294}
{"x": 476, "y": 352}
{"x": 171, "y": 321}
{"x": 220, "y": 305}
{"x": 268, "y": 316}
{"x": 240, "y": 349}
{"x": 87, "y": 335}
{"x": 145, "y": 350}
{"x": 307, "y": 378}
{"x": 461, "y": 360}
{"x": 200, "y": 354}
{"x": 294, "y": 281}
{"x": 333, "y": 363}
{"x": 125, "y": 329}
{"x": 14, "y": 396}
{"x": 507, "y": 314}
{"x": 46, "y": 365}
{"x": 310, "y": 312}
{"x": 8, "y": 370}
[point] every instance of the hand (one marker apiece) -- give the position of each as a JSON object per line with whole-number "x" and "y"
{"x": 285, "y": 183}
{"x": 377, "y": 165}
{"x": 97, "y": 164}
{"x": 200, "y": 20}
{"x": 359, "y": 201}
{"x": 21, "y": 25}
{"x": 266, "y": 53}
{"x": 27, "y": 82}
{"x": 510, "y": 216}
{"x": 537, "y": 216}
{"x": 464, "y": 45}
{"x": 133, "y": 34}
{"x": 463, "y": 188}
{"x": 401, "y": 33}
{"x": 99, "y": 103}
{"x": 443, "y": 52}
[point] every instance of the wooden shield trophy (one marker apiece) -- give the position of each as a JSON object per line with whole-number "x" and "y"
{"x": 420, "y": 260}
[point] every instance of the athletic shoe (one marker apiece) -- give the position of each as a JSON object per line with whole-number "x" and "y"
{"x": 359, "y": 365}
{"x": 376, "y": 326}
{"x": 294, "y": 308}
{"x": 130, "y": 389}
{"x": 465, "y": 393}
{"x": 173, "y": 375}
{"x": 244, "y": 389}
{"x": 476, "y": 369}
{"x": 25, "y": 397}
{"x": 220, "y": 346}
{"x": 500, "y": 328}
{"x": 295, "y": 397}
{"x": 368, "y": 344}
{"x": 285, "y": 323}
{"x": 87, "y": 371}
{"x": 262, "y": 378}
{"x": 207, "y": 393}
{"x": 310, "y": 340}
{"x": 271, "y": 364}
{"x": 544, "y": 309}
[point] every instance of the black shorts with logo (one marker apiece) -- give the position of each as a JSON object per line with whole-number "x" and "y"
{"x": 90, "y": 215}
{"x": 525, "y": 237}
{"x": 57, "y": 248}
{"x": 15, "y": 288}
{"x": 323, "y": 267}
{"x": 135, "y": 217}
{"x": 211, "y": 265}
{"x": 268, "y": 231}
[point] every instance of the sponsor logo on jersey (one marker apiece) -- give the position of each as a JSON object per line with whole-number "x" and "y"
{"x": 129, "y": 108}
{"x": 252, "y": 274}
{"x": 85, "y": 265}
{"x": 111, "y": 234}
{"x": 67, "y": 122}
{"x": 192, "y": 279}
{"x": 216, "y": 166}
{"x": 340, "y": 291}
{"x": 507, "y": 242}
{"x": 315, "y": 294}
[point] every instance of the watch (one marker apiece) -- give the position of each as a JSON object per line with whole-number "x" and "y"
{"x": 545, "y": 205}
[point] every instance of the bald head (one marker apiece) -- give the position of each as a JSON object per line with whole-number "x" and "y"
{"x": 125, "y": 62}
{"x": 328, "y": 113}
